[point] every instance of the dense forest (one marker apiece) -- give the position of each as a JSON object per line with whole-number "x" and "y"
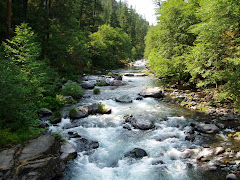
{"x": 197, "y": 43}
{"x": 47, "y": 42}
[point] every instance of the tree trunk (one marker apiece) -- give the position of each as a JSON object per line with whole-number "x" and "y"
{"x": 9, "y": 17}
{"x": 25, "y": 7}
{"x": 81, "y": 14}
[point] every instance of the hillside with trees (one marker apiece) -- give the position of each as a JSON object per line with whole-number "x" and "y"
{"x": 196, "y": 43}
{"x": 47, "y": 42}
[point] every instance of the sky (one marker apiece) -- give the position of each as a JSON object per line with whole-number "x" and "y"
{"x": 144, "y": 7}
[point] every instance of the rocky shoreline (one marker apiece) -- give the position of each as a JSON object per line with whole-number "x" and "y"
{"x": 46, "y": 156}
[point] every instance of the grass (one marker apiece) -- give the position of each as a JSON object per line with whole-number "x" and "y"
{"x": 202, "y": 108}
{"x": 72, "y": 112}
{"x": 101, "y": 83}
{"x": 56, "y": 114}
{"x": 9, "y": 137}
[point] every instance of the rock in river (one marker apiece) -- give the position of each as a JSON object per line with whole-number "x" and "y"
{"x": 124, "y": 99}
{"x": 207, "y": 128}
{"x": 139, "y": 122}
{"x": 136, "y": 153}
{"x": 152, "y": 92}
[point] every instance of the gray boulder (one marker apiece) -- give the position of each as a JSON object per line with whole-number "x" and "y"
{"x": 152, "y": 92}
{"x": 124, "y": 99}
{"x": 37, "y": 159}
{"x": 84, "y": 144}
{"x": 47, "y": 168}
{"x": 40, "y": 147}
{"x": 82, "y": 112}
{"x": 117, "y": 83}
{"x": 89, "y": 84}
{"x": 67, "y": 152}
{"x": 45, "y": 112}
{"x": 219, "y": 150}
{"x": 7, "y": 159}
{"x": 139, "y": 122}
{"x": 207, "y": 128}
{"x": 137, "y": 153}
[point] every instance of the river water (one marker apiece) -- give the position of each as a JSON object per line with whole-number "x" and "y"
{"x": 165, "y": 143}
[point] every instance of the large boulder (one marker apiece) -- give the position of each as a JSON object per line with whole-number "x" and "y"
{"x": 89, "y": 84}
{"x": 67, "y": 152}
{"x": 47, "y": 168}
{"x": 124, "y": 99}
{"x": 152, "y": 92}
{"x": 7, "y": 159}
{"x": 207, "y": 128}
{"x": 139, "y": 122}
{"x": 37, "y": 159}
{"x": 40, "y": 147}
{"x": 117, "y": 83}
{"x": 81, "y": 112}
{"x": 137, "y": 153}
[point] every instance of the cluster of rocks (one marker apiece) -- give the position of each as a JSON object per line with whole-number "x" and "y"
{"x": 202, "y": 102}
{"x": 152, "y": 92}
{"x": 84, "y": 111}
{"x": 135, "y": 74}
{"x": 215, "y": 158}
{"x": 40, "y": 158}
{"x": 89, "y": 82}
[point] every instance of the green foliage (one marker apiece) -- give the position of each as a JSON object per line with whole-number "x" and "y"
{"x": 109, "y": 45}
{"x": 101, "y": 83}
{"x": 101, "y": 108}
{"x": 73, "y": 90}
{"x": 17, "y": 137}
{"x": 213, "y": 104}
{"x": 96, "y": 91}
{"x": 72, "y": 112}
{"x": 21, "y": 80}
{"x": 53, "y": 103}
{"x": 56, "y": 114}
{"x": 169, "y": 42}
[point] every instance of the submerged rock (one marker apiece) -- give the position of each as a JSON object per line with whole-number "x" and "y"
{"x": 124, "y": 99}
{"x": 207, "y": 128}
{"x": 152, "y": 92}
{"x": 84, "y": 144}
{"x": 136, "y": 153}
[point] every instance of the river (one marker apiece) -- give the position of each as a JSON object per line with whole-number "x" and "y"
{"x": 165, "y": 143}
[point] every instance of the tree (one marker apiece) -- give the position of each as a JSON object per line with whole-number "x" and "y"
{"x": 109, "y": 45}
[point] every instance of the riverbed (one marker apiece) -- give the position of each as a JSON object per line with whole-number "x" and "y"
{"x": 164, "y": 144}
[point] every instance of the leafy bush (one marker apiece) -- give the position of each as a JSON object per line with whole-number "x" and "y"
{"x": 72, "y": 112}
{"x": 101, "y": 108}
{"x": 73, "y": 90}
{"x": 213, "y": 104}
{"x": 53, "y": 103}
{"x": 101, "y": 83}
{"x": 96, "y": 91}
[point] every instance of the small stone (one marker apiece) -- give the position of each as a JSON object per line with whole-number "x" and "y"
{"x": 231, "y": 177}
{"x": 219, "y": 150}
